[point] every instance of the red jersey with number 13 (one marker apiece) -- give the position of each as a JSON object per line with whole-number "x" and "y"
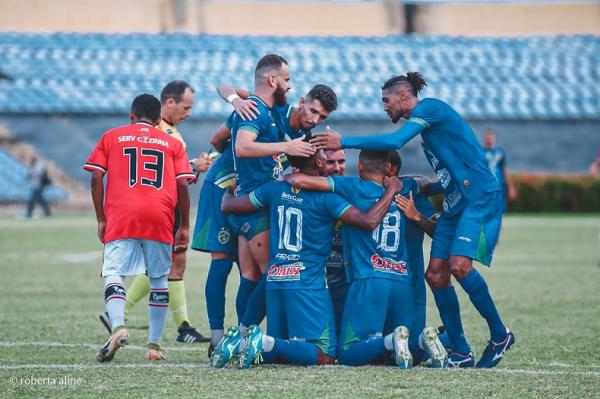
{"x": 143, "y": 166}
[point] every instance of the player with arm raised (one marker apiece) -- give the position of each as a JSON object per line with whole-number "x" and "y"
{"x": 300, "y": 321}
{"x": 148, "y": 174}
{"x": 468, "y": 227}
{"x": 293, "y": 122}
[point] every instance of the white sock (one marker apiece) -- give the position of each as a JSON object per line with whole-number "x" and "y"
{"x": 216, "y": 336}
{"x": 243, "y": 330}
{"x": 158, "y": 308}
{"x": 114, "y": 298}
{"x": 388, "y": 342}
{"x": 267, "y": 343}
{"x": 242, "y": 344}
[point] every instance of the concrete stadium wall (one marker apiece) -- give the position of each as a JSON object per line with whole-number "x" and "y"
{"x": 538, "y": 146}
{"x": 372, "y": 18}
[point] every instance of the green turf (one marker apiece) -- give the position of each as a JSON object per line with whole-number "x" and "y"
{"x": 545, "y": 280}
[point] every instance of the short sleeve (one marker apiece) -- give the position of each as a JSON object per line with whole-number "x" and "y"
{"x": 254, "y": 126}
{"x": 261, "y": 197}
{"x": 334, "y": 205}
{"x": 341, "y": 185}
{"x": 427, "y": 113}
{"x": 183, "y": 169}
{"x": 98, "y": 159}
{"x": 231, "y": 120}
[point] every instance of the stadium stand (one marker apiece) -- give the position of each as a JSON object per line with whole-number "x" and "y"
{"x": 13, "y": 182}
{"x": 549, "y": 77}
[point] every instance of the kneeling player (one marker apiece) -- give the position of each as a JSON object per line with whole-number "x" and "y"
{"x": 301, "y": 324}
{"x": 379, "y": 310}
{"x": 148, "y": 176}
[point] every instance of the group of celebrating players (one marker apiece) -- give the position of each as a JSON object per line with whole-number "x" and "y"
{"x": 334, "y": 263}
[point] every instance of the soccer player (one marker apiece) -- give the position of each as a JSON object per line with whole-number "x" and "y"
{"x": 469, "y": 225}
{"x": 293, "y": 122}
{"x": 148, "y": 174}
{"x": 213, "y": 233}
{"x": 496, "y": 158}
{"x": 177, "y": 99}
{"x": 259, "y": 154}
{"x": 301, "y": 326}
{"x": 379, "y": 310}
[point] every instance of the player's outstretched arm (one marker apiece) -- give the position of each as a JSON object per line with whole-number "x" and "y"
{"x": 408, "y": 208}
{"x": 371, "y": 219}
{"x": 306, "y": 182}
{"x": 97, "y": 188}
{"x": 182, "y": 236}
{"x": 246, "y": 109}
{"x": 331, "y": 140}
{"x": 237, "y": 205}
{"x": 427, "y": 187}
{"x": 246, "y": 146}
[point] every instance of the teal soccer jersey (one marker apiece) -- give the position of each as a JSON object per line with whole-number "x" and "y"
{"x": 382, "y": 253}
{"x": 301, "y": 229}
{"x": 281, "y": 116}
{"x": 254, "y": 172}
{"x": 448, "y": 137}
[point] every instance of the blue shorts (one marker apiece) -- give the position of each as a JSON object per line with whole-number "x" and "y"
{"x": 305, "y": 315}
{"x": 374, "y": 307}
{"x": 472, "y": 233}
{"x": 212, "y": 232}
{"x": 250, "y": 225}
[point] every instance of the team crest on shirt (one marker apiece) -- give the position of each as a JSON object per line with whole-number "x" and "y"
{"x": 223, "y": 236}
{"x": 387, "y": 265}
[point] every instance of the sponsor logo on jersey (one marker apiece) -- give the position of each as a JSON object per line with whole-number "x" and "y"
{"x": 143, "y": 140}
{"x": 444, "y": 177}
{"x": 388, "y": 265}
{"x": 288, "y": 257}
{"x": 223, "y": 236}
{"x": 245, "y": 227}
{"x": 291, "y": 197}
{"x": 284, "y": 272}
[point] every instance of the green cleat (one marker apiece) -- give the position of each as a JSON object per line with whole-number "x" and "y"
{"x": 432, "y": 345}
{"x": 401, "y": 352}
{"x": 252, "y": 354}
{"x": 228, "y": 348}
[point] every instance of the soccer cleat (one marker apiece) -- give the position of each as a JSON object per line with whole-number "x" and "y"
{"x": 155, "y": 355}
{"x": 188, "y": 334}
{"x": 105, "y": 320}
{"x": 252, "y": 354}
{"x": 401, "y": 352}
{"x": 117, "y": 340}
{"x": 228, "y": 348}
{"x": 456, "y": 360}
{"x": 434, "y": 347}
{"x": 494, "y": 352}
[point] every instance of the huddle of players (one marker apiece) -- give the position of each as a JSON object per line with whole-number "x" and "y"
{"x": 285, "y": 231}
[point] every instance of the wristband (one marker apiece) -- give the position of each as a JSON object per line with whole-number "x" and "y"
{"x": 232, "y": 97}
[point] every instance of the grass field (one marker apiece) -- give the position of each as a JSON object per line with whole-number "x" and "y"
{"x": 545, "y": 280}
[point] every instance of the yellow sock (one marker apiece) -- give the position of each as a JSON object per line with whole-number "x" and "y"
{"x": 139, "y": 289}
{"x": 177, "y": 303}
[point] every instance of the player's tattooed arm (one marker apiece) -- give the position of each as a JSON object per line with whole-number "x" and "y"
{"x": 237, "y": 205}
{"x": 306, "y": 182}
{"x": 371, "y": 219}
{"x": 219, "y": 138}
{"x": 97, "y": 188}
{"x": 182, "y": 236}
{"x": 237, "y": 97}
{"x": 407, "y": 206}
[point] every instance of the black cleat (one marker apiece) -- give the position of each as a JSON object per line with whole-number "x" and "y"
{"x": 188, "y": 334}
{"x": 105, "y": 320}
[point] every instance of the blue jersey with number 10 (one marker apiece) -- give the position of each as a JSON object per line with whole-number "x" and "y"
{"x": 301, "y": 229}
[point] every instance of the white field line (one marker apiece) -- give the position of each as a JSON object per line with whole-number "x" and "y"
{"x": 47, "y": 344}
{"x": 82, "y": 366}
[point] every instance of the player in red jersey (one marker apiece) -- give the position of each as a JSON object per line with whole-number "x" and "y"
{"x": 148, "y": 173}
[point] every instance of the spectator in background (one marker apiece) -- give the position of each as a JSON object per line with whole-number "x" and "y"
{"x": 595, "y": 168}
{"x": 496, "y": 158}
{"x": 38, "y": 179}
